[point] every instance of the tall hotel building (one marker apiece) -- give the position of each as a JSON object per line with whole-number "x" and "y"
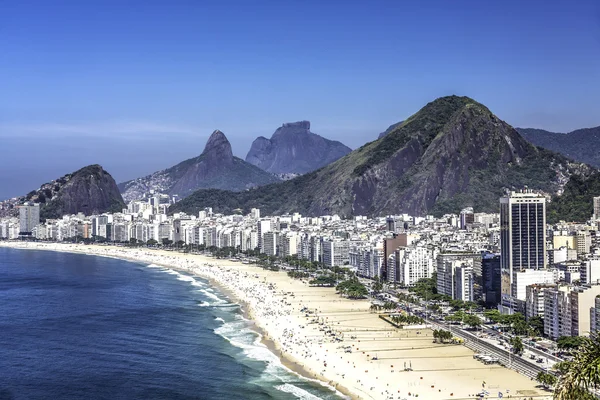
{"x": 523, "y": 246}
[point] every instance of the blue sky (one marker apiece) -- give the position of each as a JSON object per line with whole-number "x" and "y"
{"x": 139, "y": 85}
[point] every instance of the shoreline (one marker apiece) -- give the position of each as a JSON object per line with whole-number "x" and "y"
{"x": 287, "y": 361}
{"x": 275, "y": 303}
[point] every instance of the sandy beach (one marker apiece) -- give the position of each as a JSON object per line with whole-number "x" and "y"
{"x": 323, "y": 336}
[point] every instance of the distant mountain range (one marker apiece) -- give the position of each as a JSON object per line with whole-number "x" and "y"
{"x": 293, "y": 148}
{"x": 90, "y": 190}
{"x": 216, "y": 167}
{"x": 581, "y": 145}
{"x": 451, "y": 154}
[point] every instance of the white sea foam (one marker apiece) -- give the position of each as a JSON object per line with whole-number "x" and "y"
{"x": 204, "y": 304}
{"x": 212, "y": 296}
{"x": 155, "y": 266}
{"x": 220, "y": 319}
{"x": 296, "y": 391}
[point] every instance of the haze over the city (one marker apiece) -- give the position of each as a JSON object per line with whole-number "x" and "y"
{"x": 139, "y": 86}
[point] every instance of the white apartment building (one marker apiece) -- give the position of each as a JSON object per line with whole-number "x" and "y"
{"x": 289, "y": 244}
{"x": 463, "y": 281}
{"x": 411, "y": 264}
{"x": 590, "y": 271}
{"x": 446, "y": 264}
{"x": 534, "y": 300}
{"x": 270, "y": 243}
{"x": 557, "y": 312}
{"x": 567, "y": 310}
{"x": 29, "y": 218}
{"x": 335, "y": 252}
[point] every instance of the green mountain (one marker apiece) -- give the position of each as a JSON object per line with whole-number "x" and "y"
{"x": 90, "y": 190}
{"x": 581, "y": 145}
{"x": 451, "y": 154}
{"x": 575, "y": 204}
{"x": 216, "y": 167}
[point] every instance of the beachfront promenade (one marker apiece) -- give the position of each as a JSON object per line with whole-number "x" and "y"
{"x": 336, "y": 340}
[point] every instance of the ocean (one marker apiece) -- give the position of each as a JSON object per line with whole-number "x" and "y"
{"x": 74, "y": 326}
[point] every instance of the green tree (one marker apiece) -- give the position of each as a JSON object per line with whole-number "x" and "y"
{"x": 546, "y": 379}
{"x": 579, "y": 377}
{"x": 536, "y": 324}
{"x": 517, "y": 345}
{"x": 472, "y": 320}
{"x": 377, "y": 285}
{"x": 569, "y": 343}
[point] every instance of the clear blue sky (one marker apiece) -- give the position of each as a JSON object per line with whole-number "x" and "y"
{"x": 139, "y": 85}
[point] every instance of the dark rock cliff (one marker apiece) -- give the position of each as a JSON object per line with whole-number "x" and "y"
{"x": 293, "y": 148}
{"x": 90, "y": 190}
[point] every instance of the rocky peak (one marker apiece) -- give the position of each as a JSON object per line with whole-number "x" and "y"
{"x": 293, "y": 148}
{"x": 218, "y": 146}
{"x": 291, "y": 128}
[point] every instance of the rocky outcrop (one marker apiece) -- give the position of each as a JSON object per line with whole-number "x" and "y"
{"x": 453, "y": 153}
{"x": 581, "y": 145}
{"x": 90, "y": 190}
{"x": 215, "y": 168}
{"x": 293, "y": 148}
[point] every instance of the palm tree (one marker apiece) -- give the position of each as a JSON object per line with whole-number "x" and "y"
{"x": 579, "y": 377}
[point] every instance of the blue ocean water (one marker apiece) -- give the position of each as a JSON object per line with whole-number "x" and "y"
{"x": 83, "y": 327}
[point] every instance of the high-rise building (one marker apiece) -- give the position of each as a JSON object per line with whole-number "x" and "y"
{"x": 463, "y": 281}
{"x": 263, "y": 226}
{"x": 491, "y": 277}
{"x": 467, "y": 217}
{"x": 522, "y": 240}
{"x": 596, "y": 215}
{"x": 29, "y": 218}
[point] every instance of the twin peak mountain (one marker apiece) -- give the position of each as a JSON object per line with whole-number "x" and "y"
{"x": 292, "y": 149}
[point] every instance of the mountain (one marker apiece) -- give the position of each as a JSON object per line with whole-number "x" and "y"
{"x": 90, "y": 190}
{"x": 575, "y": 204}
{"x": 581, "y": 145}
{"x": 451, "y": 154}
{"x": 293, "y": 148}
{"x": 389, "y": 129}
{"x": 216, "y": 167}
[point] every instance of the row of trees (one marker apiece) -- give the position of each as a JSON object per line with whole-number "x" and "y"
{"x": 516, "y": 323}
{"x": 405, "y": 319}
{"x": 442, "y": 335}
{"x": 323, "y": 280}
{"x": 352, "y": 288}
{"x": 471, "y": 320}
{"x": 387, "y": 306}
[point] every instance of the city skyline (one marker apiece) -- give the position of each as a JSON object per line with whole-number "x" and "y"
{"x": 97, "y": 84}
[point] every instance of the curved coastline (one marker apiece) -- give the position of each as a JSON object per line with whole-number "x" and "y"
{"x": 288, "y": 361}
{"x": 275, "y": 302}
